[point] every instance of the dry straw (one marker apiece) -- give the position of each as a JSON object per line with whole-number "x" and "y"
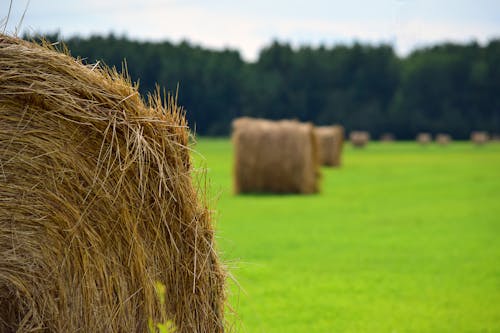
{"x": 443, "y": 139}
{"x": 424, "y": 138}
{"x": 479, "y": 138}
{"x": 330, "y": 143}
{"x": 359, "y": 138}
{"x": 275, "y": 157}
{"x": 97, "y": 203}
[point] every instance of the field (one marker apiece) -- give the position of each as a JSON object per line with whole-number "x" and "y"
{"x": 402, "y": 238}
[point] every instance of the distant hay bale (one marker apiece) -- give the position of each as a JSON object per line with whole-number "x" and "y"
{"x": 330, "y": 143}
{"x": 387, "y": 137}
{"x": 97, "y": 204}
{"x": 424, "y": 138}
{"x": 359, "y": 138}
{"x": 275, "y": 156}
{"x": 443, "y": 139}
{"x": 479, "y": 138}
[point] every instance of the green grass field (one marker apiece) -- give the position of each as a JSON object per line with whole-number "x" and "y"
{"x": 402, "y": 238}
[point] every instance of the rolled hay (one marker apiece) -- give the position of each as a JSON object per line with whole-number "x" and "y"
{"x": 443, "y": 139}
{"x": 275, "y": 156}
{"x": 97, "y": 204}
{"x": 387, "y": 137}
{"x": 359, "y": 138}
{"x": 479, "y": 138}
{"x": 424, "y": 138}
{"x": 330, "y": 143}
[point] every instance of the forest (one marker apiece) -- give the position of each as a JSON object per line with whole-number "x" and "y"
{"x": 452, "y": 88}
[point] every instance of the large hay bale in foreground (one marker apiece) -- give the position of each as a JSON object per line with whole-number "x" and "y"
{"x": 424, "y": 138}
{"x": 330, "y": 143}
{"x": 97, "y": 204}
{"x": 443, "y": 139}
{"x": 275, "y": 157}
{"x": 479, "y": 137}
{"x": 359, "y": 138}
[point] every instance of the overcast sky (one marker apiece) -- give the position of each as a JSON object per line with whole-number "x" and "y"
{"x": 250, "y": 25}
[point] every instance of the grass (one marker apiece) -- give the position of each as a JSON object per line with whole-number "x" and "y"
{"x": 402, "y": 238}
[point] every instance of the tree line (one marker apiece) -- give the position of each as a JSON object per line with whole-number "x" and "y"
{"x": 451, "y": 88}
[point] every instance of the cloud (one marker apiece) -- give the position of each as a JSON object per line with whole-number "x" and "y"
{"x": 404, "y": 35}
{"x": 249, "y": 33}
{"x": 417, "y": 32}
{"x": 248, "y": 30}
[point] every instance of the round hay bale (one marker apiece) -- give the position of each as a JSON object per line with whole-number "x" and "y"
{"x": 387, "y": 137}
{"x": 479, "y": 138}
{"x": 97, "y": 204}
{"x": 330, "y": 143}
{"x": 424, "y": 138}
{"x": 275, "y": 157}
{"x": 359, "y": 139}
{"x": 443, "y": 139}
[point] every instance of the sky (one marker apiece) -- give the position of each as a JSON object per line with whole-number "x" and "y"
{"x": 248, "y": 26}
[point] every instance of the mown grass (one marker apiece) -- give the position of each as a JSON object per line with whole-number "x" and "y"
{"x": 402, "y": 238}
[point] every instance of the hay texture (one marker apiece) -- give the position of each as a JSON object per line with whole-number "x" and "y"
{"x": 424, "y": 138}
{"x": 359, "y": 139}
{"x": 97, "y": 203}
{"x": 479, "y": 138}
{"x": 443, "y": 139}
{"x": 275, "y": 157}
{"x": 330, "y": 143}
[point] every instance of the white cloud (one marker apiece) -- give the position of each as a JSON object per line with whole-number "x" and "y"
{"x": 404, "y": 35}
{"x": 417, "y": 32}
{"x": 248, "y": 31}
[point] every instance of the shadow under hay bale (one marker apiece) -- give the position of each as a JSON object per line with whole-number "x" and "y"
{"x": 479, "y": 138}
{"x": 443, "y": 139}
{"x": 359, "y": 139}
{"x": 330, "y": 143}
{"x": 275, "y": 157}
{"x": 424, "y": 138}
{"x": 97, "y": 204}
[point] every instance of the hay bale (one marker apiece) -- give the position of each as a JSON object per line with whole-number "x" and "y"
{"x": 97, "y": 203}
{"x": 275, "y": 156}
{"x": 387, "y": 137}
{"x": 479, "y": 138}
{"x": 443, "y": 139}
{"x": 424, "y": 138}
{"x": 359, "y": 138}
{"x": 330, "y": 143}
